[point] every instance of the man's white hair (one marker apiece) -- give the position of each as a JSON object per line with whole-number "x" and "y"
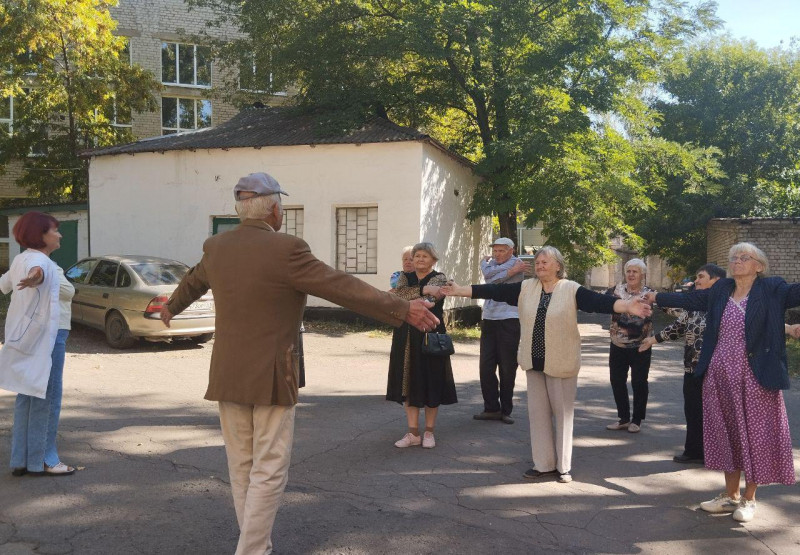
{"x": 257, "y": 208}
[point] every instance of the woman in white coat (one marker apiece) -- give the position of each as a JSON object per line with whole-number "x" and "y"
{"x": 31, "y": 331}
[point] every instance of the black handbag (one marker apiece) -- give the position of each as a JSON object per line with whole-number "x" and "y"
{"x": 437, "y": 345}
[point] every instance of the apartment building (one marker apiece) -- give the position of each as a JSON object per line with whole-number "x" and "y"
{"x": 157, "y": 32}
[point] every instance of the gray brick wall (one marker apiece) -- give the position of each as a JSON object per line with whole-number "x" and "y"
{"x": 779, "y": 238}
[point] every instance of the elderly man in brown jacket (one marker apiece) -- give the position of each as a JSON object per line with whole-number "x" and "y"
{"x": 260, "y": 280}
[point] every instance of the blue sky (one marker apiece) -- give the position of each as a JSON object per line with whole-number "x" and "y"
{"x": 765, "y": 21}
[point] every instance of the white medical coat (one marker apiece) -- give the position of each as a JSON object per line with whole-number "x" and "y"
{"x": 31, "y": 326}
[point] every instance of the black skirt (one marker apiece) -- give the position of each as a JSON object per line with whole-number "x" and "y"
{"x": 430, "y": 378}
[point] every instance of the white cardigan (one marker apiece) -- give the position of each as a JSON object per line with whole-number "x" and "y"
{"x": 31, "y": 326}
{"x": 562, "y": 340}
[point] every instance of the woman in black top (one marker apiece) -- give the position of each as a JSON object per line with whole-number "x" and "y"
{"x": 415, "y": 379}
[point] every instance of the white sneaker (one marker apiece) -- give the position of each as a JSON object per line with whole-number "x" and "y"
{"x": 746, "y": 511}
{"x": 634, "y": 428}
{"x": 618, "y": 426}
{"x": 428, "y": 441}
{"x": 564, "y": 477}
{"x": 722, "y": 503}
{"x": 408, "y": 440}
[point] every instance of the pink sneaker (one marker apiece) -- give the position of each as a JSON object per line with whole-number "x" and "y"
{"x": 408, "y": 440}
{"x": 428, "y": 441}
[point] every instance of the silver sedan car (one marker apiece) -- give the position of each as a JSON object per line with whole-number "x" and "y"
{"x": 123, "y": 296}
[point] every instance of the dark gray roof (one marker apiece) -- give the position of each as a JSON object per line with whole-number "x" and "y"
{"x": 271, "y": 126}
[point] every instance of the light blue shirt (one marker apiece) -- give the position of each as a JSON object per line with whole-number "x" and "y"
{"x": 498, "y": 273}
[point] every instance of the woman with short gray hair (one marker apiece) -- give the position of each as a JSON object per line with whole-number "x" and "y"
{"x": 743, "y": 367}
{"x": 627, "y": 333}
{"x": 418, "y": 380}
{"x": 549, "y": 352}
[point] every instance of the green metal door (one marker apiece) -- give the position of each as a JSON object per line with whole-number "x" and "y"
{"x": 67, "y": 254}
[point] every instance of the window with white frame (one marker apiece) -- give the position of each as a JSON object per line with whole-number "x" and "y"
{"x": 184, "y": 114}
{"x": 357, "y": 240}
{"x": 185, "y": 64}
{"x": 251, "y": 77}
{"x": 7, "y": 114}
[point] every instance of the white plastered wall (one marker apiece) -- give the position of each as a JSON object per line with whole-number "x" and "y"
{"x": 446, "y": 194}
{"x": 163, "y": 204}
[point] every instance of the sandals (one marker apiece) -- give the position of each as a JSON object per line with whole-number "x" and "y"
{"x": 59, "y": 470}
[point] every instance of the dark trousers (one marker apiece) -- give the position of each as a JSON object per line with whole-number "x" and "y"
{"x": 619, "y": 360}
{"x": 499, "y": 344}
{"x": 693, "y": 410}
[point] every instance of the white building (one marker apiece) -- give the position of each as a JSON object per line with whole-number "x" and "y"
{"x": 356, "y": 199}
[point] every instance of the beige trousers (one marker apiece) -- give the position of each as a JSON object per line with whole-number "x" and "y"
{"x": 551, "y": 399}
{"x": 258, "y": 443}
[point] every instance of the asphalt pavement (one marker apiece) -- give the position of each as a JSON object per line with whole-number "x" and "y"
{"x": 153, "y": 476}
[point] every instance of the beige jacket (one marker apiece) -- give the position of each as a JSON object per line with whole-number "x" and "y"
{"x": 260, "y": 280}
{"x": 562, "y": 341}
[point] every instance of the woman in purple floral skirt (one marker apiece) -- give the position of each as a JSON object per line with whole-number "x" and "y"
{"x": 743, "y": 364}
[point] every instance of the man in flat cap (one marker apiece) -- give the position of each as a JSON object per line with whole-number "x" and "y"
{"x": 499, "y": 334}
{"x": 260, "y": 280}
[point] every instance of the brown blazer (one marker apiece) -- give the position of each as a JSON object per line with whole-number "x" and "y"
{"x": 260, "y": 280}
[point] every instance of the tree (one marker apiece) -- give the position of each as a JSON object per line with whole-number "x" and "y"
{"x": 519, "y": 86}
{"x": 744, "y": 102}
{"x": 69, "y": 80}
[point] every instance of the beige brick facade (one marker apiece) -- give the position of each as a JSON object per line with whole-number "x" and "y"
{"x": 147, "y": 24}
{"x": 779, "y": 238}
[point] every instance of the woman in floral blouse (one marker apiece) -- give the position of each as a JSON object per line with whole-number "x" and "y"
{"x": 690, "y": 324}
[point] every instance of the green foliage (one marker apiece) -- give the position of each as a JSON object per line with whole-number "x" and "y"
{"x": 518, "y": 86}
{"x": 69, "y": 78}
{"x": 744, "y": 102}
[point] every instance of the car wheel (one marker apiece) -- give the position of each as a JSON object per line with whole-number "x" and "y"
{"x": 204, "y": 338}
{"x": 117, "y": 333}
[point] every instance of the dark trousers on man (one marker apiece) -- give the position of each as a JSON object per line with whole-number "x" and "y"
{"x": 693, "y": 410}
{"x": 620, "y": 360}
{"x": 499, "y": 344}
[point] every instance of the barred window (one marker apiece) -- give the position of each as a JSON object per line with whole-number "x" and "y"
{"x": 357, "y": 240}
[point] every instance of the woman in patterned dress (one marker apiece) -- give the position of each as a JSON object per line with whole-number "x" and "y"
{"x": 743, "y": 363}
{"x": 417, "y": 380}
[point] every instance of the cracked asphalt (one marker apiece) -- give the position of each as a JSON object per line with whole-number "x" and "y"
{"x": 153, "y": 475}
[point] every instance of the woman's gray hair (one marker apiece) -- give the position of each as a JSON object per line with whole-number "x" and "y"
{"x": 556, "y": 255}
{"x": 637, "y": 263}
{"x": 407, "y": 249}
{"x": 754, "y": 252}
{"x": 257, "y": 208}
{"x": 427, "y": 247}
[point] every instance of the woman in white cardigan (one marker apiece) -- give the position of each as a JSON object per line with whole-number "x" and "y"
{"x": 550, "y": 351}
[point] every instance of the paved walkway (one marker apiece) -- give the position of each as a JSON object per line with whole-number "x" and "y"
{"x": 154, "y": 478}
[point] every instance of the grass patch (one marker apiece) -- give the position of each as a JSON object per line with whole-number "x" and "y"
{"x": 793, "y": 356}
{"x": 467, "y": 334}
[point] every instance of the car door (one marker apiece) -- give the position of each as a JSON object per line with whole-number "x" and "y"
{"x": 97, "y": 293}
{"x": 77, "y": 275}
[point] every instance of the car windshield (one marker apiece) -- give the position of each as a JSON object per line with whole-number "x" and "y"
{"x": 154, "y": 273}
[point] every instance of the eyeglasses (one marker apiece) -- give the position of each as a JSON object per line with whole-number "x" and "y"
{"x": 744, "y": 258}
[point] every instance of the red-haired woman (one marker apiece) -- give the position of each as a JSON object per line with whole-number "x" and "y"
{"x": 29, "y": 364}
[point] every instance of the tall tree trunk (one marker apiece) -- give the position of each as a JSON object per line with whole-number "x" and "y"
{"x": 508, "y": 226}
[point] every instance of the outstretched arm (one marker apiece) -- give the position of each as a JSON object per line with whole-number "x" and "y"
{"x": 503, "y": 292}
